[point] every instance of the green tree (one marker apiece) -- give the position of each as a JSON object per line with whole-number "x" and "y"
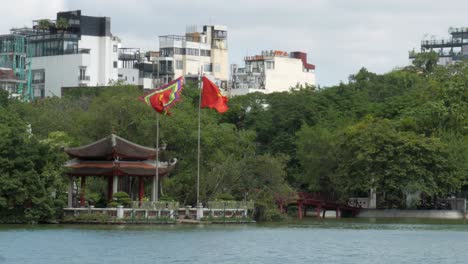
{"x": 373, "y": 154}
{"x": 426, "y": 61}
{"x": 31, "y": 185}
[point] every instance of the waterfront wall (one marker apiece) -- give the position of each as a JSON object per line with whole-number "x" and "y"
{"x": 396, "y": 213}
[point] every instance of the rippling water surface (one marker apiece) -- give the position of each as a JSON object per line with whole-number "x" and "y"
{"x": 305, "y": 242}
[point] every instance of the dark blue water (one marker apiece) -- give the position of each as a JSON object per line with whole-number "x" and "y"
{"x": 316, "y": 242}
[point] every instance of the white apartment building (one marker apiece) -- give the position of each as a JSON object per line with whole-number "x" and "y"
{"x": 84, "y": 53}
{"x": 187, "y": 55}
{"x": 272, "y": 71}
{"x": 135, "y": 68}
{"x": 178, "y": 55}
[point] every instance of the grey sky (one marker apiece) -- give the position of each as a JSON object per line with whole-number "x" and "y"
{"x": 339, "y": 36}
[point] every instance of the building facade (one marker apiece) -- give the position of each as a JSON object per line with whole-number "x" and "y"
{"x": 205, "y": 51}
{"x": 73, "y": 50}
{"x": 449, "y": 50}
{"x": 271, "y": 71}
{"x": 178, "y": 55}
{"x": 15, "y": 73}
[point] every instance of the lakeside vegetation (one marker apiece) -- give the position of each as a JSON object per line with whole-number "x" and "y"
{"x": 399, "y": 132}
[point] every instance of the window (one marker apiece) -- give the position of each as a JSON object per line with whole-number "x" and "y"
{"x": 120, "y": 75}
{"x": 270, "y": 65}
{"x": 115, "y": 64}
{"x": 115, "y": 48}
{"x": 179, "y": 65}
{"x": 83, "y": 76}
{"x": 82, "y": 73}
{"x": 167, "y": 52}
{"x": 208, "y": 67}
{"x": 179, "y": 51}
{"x": 206, "y": 53}
{"x": 192, "y": 52}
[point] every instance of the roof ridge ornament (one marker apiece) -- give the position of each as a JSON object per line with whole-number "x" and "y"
{"x": 114, "y": 141}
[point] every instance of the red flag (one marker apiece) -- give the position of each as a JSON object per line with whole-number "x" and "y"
{"x": 212, "y": 98}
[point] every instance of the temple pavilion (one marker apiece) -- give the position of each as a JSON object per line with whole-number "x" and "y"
{"x": 120, "y": 162}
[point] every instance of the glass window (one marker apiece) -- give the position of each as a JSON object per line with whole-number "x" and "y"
{"x": 208, "y": 67}
{"x": 115, "y": 64}
{"x": 82, "y": 73}
{"x": 270, "y": 64}
{"x": 115, "y": 48}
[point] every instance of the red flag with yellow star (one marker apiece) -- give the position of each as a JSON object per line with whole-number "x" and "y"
{"x": 212, "y": 97}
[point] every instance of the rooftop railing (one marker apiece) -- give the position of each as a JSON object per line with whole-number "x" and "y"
{"x": 458, "y": 30}
{"x": 178, "y": 38}
{"x": 441, "y": 42}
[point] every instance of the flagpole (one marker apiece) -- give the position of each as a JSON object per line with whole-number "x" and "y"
{"x": 155, "y": 194}
{"x": 199, "y": 136}
{"x": 156, "y": 180}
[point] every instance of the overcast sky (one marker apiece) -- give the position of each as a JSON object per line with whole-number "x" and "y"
{"x": 339, "y": 36}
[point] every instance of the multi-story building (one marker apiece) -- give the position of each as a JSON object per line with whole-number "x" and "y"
{"x": 73, "y": 50}
{"x": 136, "y": 68}
{"x": 272, "y": 71}
{"x": 449, "y": 50}
{"x": 14, "y": 71}
{"x": 188, "y": 55}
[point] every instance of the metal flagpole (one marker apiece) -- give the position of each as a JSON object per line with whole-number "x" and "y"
{"x": 199, "y": 135}
{"x": 155, "y": 193}
{"x": 156, "y": 181}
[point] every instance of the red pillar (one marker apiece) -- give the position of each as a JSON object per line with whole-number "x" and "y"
{"x": 110, "y": 187}
{"x": 299, "y": 209}
{"x": 141, "y": 192}
{"x": 82, "y": 194}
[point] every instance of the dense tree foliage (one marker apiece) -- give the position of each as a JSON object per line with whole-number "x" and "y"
{"x": 30, "y": 173}
{"x": 399, "y": 132}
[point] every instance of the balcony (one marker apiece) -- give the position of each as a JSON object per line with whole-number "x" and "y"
{"x": 74, "y": 51}
{"x": 455, "y": 55}
{"x": 37, "y": 81}
{"x": 441, "y": 43}
{"x": 129, "y": 54}
{"x": 83, "y": 78}
{"x": 51, "y": 36}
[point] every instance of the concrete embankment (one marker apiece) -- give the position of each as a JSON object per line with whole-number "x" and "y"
{"x": 396, "y": 213}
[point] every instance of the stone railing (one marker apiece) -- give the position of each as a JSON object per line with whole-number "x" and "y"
{"x": 231, "y": 204}
{"x": 120, "y": 212}
{"x": 160, "y": 205}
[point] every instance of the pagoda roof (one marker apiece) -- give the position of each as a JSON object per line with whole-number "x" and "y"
{"x": 112, "y": 147}
{"x": 78, "y": 167}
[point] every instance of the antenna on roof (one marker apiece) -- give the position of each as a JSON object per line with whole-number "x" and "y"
{"x": 191, "y": 29}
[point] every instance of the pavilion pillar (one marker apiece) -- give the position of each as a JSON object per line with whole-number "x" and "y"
{"x": 70, "y": 191}
{"x": 299, "y": 208}
{"x": 82, "y": 194}
{"x": 110, "y": 188}
{"x": 141, "y": 191}
{"x": 115, "y": 184}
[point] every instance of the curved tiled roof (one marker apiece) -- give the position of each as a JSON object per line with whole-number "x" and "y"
{"x": 112, "y": 147}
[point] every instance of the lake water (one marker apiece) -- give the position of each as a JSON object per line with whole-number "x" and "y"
{"x": 352, "y": 241}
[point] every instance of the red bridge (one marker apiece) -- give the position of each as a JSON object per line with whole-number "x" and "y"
{"x": 303, "y": 201}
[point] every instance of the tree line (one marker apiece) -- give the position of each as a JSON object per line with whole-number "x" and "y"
{"x": 401, "y": 132}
